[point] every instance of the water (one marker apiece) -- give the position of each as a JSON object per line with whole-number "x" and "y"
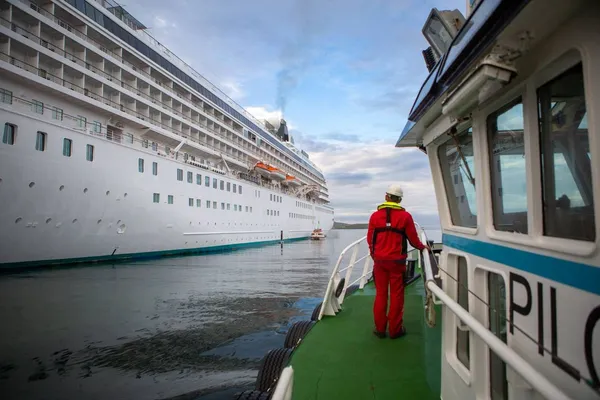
{"x": 157, "y": 329}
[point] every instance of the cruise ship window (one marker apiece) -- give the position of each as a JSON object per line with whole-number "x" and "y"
{"x": 222, "y": 206}
{"x": 67, "y": 147}
{"x": 497, "y": 324}
{"x": 235, "y": 207}
{"x": 568, "y": 197}
{"x": 234, "y": 188}
{"x": 239, "y": 207}
{"x": 89, "y": 152}
{"x": 229, "y": 206}
{"x": 198, "y": 179}
{"x": 57, "y": 113}
{"x": 170, "y": 199}
{"x": 140, "y": 164}
{"x": 10, "y": 133}
{"x": 37, "y": 106}
{"x": 240, "y": 189}
{"x": 179, "y": 174}
{"x": 154, "y": 168}
{"x": 207, "y": 203}
{"x": 250, "y": 209}
{"x": 207, "y": 181}
{"x": 97, "y": 127}
{"x": 145, "y": 143}
{"x": 191, "y": 202}
{"x": 214, "y": 205}
{"x": 460, "y": 162}
{"x": 229, "y": 186}
{"x": 81, "y": 121}
{"x": 190, "y": 177}
{"x": 222, "y": 185}
{"x": 507, "y": 168}
{"x": 198, "y": 203}
{"x": 6, "y": 96}
{"x": 154, "y": 146}
{"x": 246, "y": 208}
{"x": 40, "y": 141}
{"x": 215, "y": 182}
{"x": 155, "y": 197}
{"x": 462, "y": 336}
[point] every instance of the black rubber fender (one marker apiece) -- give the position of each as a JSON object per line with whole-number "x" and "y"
{"x": 252, "y": 395}
{"x": 297, "y": 333}
{"x": 270, "y": 368}
{"x": 351, "y": 289}
{"x": 316, "y": 311}
{"x": 340, "y": 287}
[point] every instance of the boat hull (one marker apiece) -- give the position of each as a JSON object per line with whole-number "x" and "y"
{"x": 60, "y": 209}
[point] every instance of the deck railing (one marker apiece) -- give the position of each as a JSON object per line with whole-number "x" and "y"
{"x": 537, "y": 381}
{"x": 337, "y": 286}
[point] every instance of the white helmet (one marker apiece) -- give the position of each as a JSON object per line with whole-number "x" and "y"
{"x": 395, "y": 190}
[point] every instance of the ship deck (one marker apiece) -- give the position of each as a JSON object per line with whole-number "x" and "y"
{"x": 341, "y": 358}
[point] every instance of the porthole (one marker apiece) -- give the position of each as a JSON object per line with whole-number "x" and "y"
{"x": 0, "y": 180}
{"x": 48, "y": 220}
{"x": 99, "y": 221}
{"x": 118, "y": 222}
{"x": 18, "y": 220}
{"x": 85, "y": 190}
{"x": 121, "y": 229}
{"x": 125, "y": 195}
{"x": 107, "y": 192}
{"x": 31, "y": 184}
{"x": 75, "y": 220}
{"x": 61, "y": 188}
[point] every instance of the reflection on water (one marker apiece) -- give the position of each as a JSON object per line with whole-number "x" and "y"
{"x": 156, "y": 329}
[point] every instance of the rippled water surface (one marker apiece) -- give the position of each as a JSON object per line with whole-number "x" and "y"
{"x": 193, "y": 326}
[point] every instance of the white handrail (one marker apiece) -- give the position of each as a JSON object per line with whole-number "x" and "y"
{"x": 331, "y": 303}
{"x": 507, "y": 354}
{"x": 285, "y": 385}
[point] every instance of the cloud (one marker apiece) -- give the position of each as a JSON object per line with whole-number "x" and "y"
{"x": 233, "y": 89}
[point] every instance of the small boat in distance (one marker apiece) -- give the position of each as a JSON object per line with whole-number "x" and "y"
{"x": 317, "y": 234}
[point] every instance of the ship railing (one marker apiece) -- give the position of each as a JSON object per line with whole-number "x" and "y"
{"x": 137, "y": 69}
{"x": 433, "y": 291}
{"x": 338, "y": 285}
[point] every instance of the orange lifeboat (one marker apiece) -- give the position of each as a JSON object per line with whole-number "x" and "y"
{"x": 263, "y": 170}
{"x": 292, "y": 181}
{"x": 276, "y": 173}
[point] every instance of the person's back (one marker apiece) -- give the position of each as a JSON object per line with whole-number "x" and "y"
{"x": 390, "y": 228}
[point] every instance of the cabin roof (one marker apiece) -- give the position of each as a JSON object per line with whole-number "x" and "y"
{"x": 483, "y": 26}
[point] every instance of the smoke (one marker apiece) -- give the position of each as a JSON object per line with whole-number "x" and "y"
{"x": 297, "y": 54}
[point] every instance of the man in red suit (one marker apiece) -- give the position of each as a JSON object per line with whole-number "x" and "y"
{"x": 389, "y": 229}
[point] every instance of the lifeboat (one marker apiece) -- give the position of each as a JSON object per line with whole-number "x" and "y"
{"x": 276, "y": 173}
{"x": 292, "y": 180}
{"x": 317, "y": 234}
{"x": 263, "y": 170}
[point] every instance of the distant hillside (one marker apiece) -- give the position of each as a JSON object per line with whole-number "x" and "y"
{"x": 343, "y": 225}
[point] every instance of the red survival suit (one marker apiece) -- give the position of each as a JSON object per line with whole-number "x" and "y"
{"x": 389, "y": 229}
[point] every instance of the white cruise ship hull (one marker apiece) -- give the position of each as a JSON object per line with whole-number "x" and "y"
{"x": 58, "y": 209}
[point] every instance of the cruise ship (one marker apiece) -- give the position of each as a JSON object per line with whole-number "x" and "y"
{"x": 114, "y": 148}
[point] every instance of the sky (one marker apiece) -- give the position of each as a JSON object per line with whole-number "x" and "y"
{"x": 343, "y": 73}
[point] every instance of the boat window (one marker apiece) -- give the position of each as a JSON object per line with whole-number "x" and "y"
{"x": 198, "y": 179}
{"x": 229, "y": 186}
{"x": 207, "y": 181}
{"x": 191, "y": 202}
{"x": 40, "y": 141}
{"x": 497, "y": 322}
{"x": 507, "y": 168}
{"x": 68, "y": 148}
{"x": 155, "y": 197}
{"x": 207, "y": 203}
{"x": 179, "y": 174}
{"x": 456, "y": 159}
{"x": 89, "y": 153}
{"x": 240, "y": 189}
{"x": 215, "y": 180}
{"x": 190, "y": 176}
{"x": 568, "y": 198}
{"x": 462, "y": 336}
{"x": 170, "y": 199}
{"x": 198, "y": 203}
{"x": 154, "y": 168}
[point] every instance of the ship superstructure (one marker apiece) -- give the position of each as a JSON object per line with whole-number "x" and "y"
{"x": 114, "y": 147}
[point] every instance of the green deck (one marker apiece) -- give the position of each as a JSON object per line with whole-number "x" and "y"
{"x": 341, "y": 358}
